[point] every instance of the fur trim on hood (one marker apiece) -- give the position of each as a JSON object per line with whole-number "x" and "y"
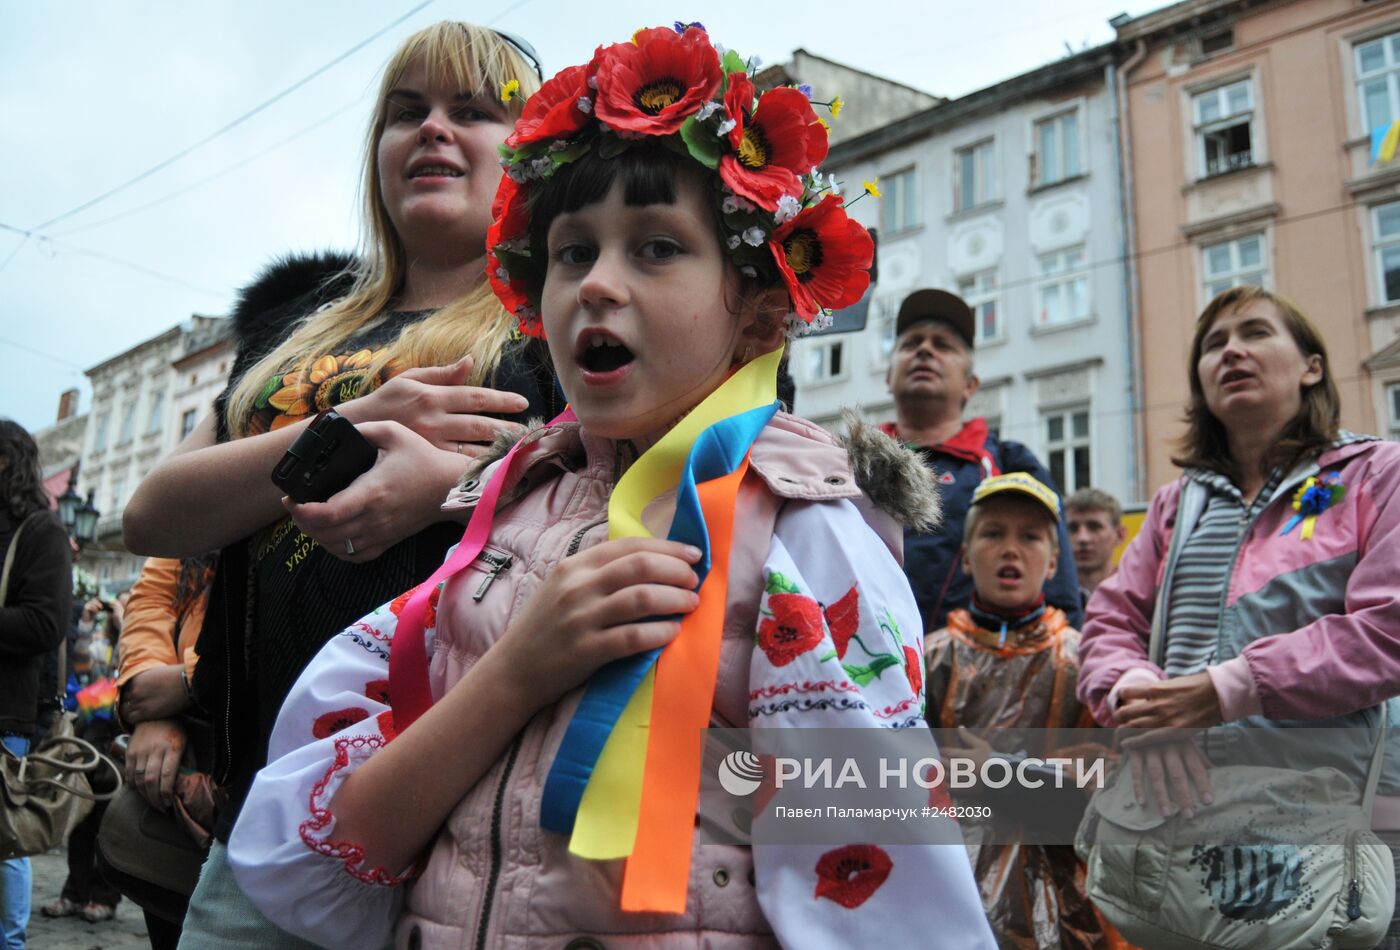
{"x": 894, "y": 479}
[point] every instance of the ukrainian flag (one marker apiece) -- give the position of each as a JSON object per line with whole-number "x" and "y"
{"x": 1384, "y": 140}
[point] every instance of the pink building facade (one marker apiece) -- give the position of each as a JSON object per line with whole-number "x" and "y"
{"x": 1248, "y": 154}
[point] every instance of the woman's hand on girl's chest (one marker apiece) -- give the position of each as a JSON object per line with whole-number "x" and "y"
{"x": 436, "y": 403}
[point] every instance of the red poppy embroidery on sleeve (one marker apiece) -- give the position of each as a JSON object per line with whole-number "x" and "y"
{"x": 385, "y": 722}
{"x": 794, "y": 628}
{"x": 429, "y": 615}
{"x": 378, "y": 690}
{"x": 843, "y": 617}
{"x": 330, "y": 723}
{"x": 851, "y": 874}
{"x": 914, "y": 669}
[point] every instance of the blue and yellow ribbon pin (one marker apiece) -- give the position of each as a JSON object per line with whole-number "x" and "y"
{"x": 1311, "y": 499}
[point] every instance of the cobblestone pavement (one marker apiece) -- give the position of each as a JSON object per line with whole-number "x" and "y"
{"x": 126, "y": 931}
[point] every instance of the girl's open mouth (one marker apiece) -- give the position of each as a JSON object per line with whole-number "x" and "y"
{"x": 601, "y": 353}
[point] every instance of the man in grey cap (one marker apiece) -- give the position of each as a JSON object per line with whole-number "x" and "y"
{"x": 931, "y": 378}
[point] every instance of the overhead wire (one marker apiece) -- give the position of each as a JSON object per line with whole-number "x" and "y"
{"x": 231, "y": 125}
{"x": 109, "y": 258}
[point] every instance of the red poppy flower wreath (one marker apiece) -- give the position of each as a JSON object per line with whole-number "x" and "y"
{"x": 559, "y": 110}
{"x": 824, "y": 257}
{"x": 774, "y": 147}
{"x": 654, "y": 83}
{"x": 780, "y": 217}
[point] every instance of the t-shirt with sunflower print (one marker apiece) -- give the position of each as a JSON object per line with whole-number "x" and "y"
{"x": 314, "y": 384}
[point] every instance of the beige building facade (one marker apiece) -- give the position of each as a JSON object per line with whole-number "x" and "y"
{"x": 1249, "y": 161}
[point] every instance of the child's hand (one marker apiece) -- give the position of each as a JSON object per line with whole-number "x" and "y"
{"x": 596, "y": 607}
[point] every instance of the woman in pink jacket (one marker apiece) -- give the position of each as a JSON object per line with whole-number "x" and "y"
{"x": 1268, "y": 567}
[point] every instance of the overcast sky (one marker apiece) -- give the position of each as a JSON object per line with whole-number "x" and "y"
{"x": 95, "y": 93}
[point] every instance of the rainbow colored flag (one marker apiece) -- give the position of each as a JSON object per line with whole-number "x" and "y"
{"x": 97, "y": 700}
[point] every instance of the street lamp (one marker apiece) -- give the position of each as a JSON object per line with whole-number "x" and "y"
{"x": 85, "y": 520}
{"x": 69, "y": 501}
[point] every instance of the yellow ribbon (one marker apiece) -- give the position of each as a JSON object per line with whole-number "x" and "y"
{"x": 606, "y": 826}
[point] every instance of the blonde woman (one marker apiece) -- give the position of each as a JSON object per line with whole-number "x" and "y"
{"x": 411, "y": 345}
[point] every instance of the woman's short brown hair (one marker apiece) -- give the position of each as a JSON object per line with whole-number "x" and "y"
{"x": 1205, "y": 444}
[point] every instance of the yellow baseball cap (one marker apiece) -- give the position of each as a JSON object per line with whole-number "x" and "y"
{"x": 1023, "y": 484}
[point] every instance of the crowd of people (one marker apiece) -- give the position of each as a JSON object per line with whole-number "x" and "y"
{"x": 401, "y": 714}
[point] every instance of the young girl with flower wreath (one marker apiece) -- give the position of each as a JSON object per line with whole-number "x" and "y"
{"x": 669, "y": 554}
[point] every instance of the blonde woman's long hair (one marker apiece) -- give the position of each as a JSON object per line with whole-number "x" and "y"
{"x": 469, "y": 57}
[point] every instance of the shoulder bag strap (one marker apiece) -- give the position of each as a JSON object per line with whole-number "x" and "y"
{"x": 10, "y": 560}
{"x": 1157, "y": 645}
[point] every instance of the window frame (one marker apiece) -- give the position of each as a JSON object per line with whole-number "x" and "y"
{"x": 126, "y": 431}
{"x": 979, "y": 295}
{"x": 1392, "y": 403}
{"x": 899, "y": 190}
{"x": 1068, "y": 443}
{"x": 1390, "y": 71}
{"x": 1236, "y": 271}
{"x": 1200, "y": 129}
{"x": 827, "y": 346}
{"x": 1057, "y": 120}
{"x": 989, "y": 171}
{"x": 1045, "y": 279}
{"x": 1379, "y": 245}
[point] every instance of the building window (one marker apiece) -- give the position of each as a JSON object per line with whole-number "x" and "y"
{"x": 1378, "y": 81}
{"x": 1062, "y": 296}
{"x": 1392, "y": 401}
{"x": 1217, "y": 42}
{"x": 976, "y": 174}
{"x": 187, "y": 421}
{"x": 981, "y": 294}
{"x": 1385, "y": 237}
{"x": 885, "y": 310}
{"x": 1234, "y": 262}
{"x": 1057, "y": 148}
{"x": 898, "y": 202}
{"x": 155, "y": 417}
{"x": 128, "y": 428}
{"x": 118, "y": 495}
{"x": 99, "y": 441}
{"x": 1224, "y": 128}
{"x": 1067, "y": 448}
{"x": 824, "y": 361}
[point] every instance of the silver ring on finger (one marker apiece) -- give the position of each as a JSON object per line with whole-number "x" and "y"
{"x": 461, "y": 448}
{"x": 349, "y": 548}
{"x": 140, "y": 771}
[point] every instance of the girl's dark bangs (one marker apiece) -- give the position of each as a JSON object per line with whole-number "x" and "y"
{"x": 648, "y": 178}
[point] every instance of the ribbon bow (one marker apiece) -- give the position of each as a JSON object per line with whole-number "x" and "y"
{"x": 1312, "y": 498}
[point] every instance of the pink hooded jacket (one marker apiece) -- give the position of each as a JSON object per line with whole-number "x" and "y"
{"x": 1309, "y": 630}
{"x": 494, "y": 878}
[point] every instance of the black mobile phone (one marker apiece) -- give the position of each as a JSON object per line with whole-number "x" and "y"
{"x": 324, "y": 459}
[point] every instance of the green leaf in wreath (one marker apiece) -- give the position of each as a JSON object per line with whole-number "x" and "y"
{"x": 733, "y": 63}
{"x": 701, "y": 143}
{"x": 779, "y": 584}
{"x": 862, "y": 675}
{"x": 610, "y": 146}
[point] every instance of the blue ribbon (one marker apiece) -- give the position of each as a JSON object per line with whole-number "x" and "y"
{"x": 717, "y": 452}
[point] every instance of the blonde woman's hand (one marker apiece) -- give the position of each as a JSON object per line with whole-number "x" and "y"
{"x": 436, "y": 403}
{"x": 598, "y": 606}
{"x": 398, "y": 497}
